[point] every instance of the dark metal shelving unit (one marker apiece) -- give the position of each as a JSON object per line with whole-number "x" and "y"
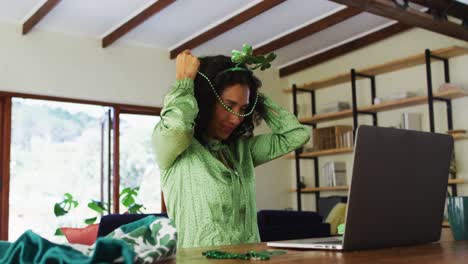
{"x": 355, "y": 113}
{"x": 432, "y": 98}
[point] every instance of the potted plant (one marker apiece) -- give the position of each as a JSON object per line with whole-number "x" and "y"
{"x": 87, "y": 235}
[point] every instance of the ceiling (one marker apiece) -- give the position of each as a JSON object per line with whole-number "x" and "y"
{"x": 183, "y": 20}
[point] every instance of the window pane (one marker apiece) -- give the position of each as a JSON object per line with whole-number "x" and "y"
{"x": 55, "y": 149}
{"x": 137, "y": 162}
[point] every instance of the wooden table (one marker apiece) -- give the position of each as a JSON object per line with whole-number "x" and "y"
{"x": 445, "y": 251}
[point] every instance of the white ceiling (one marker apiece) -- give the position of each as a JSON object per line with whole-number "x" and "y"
{"x": 184, "y": 19}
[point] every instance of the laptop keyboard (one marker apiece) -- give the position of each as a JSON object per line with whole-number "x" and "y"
{"x": 330, "y": 242}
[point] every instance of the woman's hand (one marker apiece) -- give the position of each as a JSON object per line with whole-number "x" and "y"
{"x": 186, "y": 65}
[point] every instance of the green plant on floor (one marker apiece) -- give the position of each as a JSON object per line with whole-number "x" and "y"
{"x": 127, "y": 198}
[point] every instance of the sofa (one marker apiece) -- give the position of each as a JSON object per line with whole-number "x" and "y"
{"x": 272, "y": 224}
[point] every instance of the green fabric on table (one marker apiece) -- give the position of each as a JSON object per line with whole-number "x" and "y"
{"x": 210, "y": 190}
{"x": 144, "y": 241}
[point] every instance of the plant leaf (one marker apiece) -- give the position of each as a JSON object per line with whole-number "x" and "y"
{"x": 59, "y": 211}
{"x": 68, "y": 196}
{"x": 125, "y": 191}
{"x": 90, "y": 221}
{"x": 135, "y": 208}
{"x": 58, "y": 232}
{"x": 128, "y": 200}
{"x": 97, "y": 206}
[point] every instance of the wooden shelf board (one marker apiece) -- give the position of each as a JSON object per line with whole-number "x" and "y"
{"x": 386, "y": 106}
{"x": 322, "y": 189}
{"x": 345, "y": 188}
{"x": 460, "y": 136}
{"x": 456, "y": 181}
{"x": 452, "y": 94}
{"x": 391, "y": 105}
{"x": 326, "y": 117}
{"x": 395, "y": 65}
{"x": 337, "y": 79}
{"x": 411, "y": 101}
{"x": 319, "y": 153}
{"x": 325, "y": 152}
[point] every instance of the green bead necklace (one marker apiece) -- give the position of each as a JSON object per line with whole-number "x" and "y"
{"x": 251, "y": 255}
{"x": 224, "y": 105}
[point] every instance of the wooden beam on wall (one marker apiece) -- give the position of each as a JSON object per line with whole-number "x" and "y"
{"x": 308, "y": 30}
{"x": 228, "y": 24}
{"x": 344, "y": 48}
{"x": 135, "y": 21}
{"x": 39, "y": 15}
{"x": 387, "y": 8}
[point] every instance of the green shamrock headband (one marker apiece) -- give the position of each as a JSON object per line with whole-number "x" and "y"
{"x": 244, "y": 57}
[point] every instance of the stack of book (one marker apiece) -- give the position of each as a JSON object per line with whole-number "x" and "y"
{"x": 333, "y": 137}
{"x": 334, "y": 173}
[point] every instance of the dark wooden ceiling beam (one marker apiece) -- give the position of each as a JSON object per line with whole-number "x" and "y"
{"x": 344, "y": 48}
{"x": 228, "y": 24}
{"x": 38, "y": 15}
{"x": 450, "y": 7}
{"x": 308, "y": 30}
{"x": 135, "y": 21}
{"x": 387, "y": 8}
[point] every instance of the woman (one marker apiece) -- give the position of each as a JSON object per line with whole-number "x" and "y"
{"x": 206, "y": 150}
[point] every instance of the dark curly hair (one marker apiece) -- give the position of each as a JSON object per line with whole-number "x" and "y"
{"x": 211, "y": 66}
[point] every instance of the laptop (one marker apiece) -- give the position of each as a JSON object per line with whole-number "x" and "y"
{"x": 397, "y": 193}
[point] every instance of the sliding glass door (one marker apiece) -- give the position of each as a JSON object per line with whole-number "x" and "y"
{"x": 137, "y": 164}
{"x": 87, "y": 151}
{"x": 55, "y": 149}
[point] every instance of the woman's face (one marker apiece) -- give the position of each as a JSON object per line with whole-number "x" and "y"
{"x": 223, "y": 122}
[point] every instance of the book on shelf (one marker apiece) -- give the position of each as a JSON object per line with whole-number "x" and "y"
{"x": 339, "y": 179}
{"x": 334, "y": 173}
{"x": 411, "y": 121}
{"x": 333, "y": 137}
{"x": 347, "y": 139}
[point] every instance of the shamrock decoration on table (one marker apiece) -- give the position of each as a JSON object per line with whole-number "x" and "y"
{"x": 246, "y": 57}
{"x": 341, "y": 229}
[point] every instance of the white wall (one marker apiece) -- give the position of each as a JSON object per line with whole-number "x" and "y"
{"x": 274, "y": 178}
{"x": 70, "y": 66}
{"x": 76, "y": 67}
{"x": 412, "y": 79}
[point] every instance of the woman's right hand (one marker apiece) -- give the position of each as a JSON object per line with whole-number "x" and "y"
{"x": 186, "y": 65}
